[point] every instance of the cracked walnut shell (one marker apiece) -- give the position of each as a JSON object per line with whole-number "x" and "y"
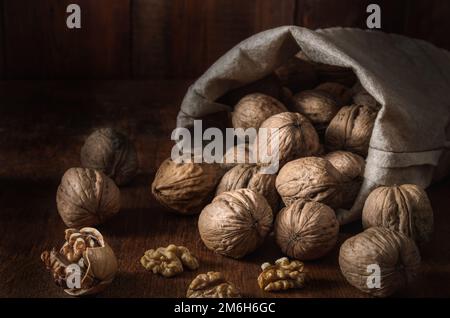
{"x": 212, "y": 285}
{"x": 283, "y": 275}
{"x": 84, "y": 250}
{"x": 392, "y": 253}
{"x": 403, "y": 208}
{"x": 306, "y": 230}
{"x": 112, "y": 153}
{"x": 169, "y": 261}
{"x": 86, "y": 197}
{"x": 235, "y": 223}
{"x": 186, "y": 187}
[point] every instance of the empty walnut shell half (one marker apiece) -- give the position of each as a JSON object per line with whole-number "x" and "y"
{"x": 403, "y": 208}
{"x": 250, "y": 177}
{"x": 295, "y": 137}
{"x": 86, "y": 197}
{"x": 311, "y": 179}
{"x": 351, "y": 129}
{"x": 318, "y": 106}
{"x": 235, "y": 223}
{"x": 341, "y": 93}
{"x": 84, "y": 265}
{"x": 186, "y": 187}
{"x": 379, "y": 261}
{"x": 253, "y": 109}
{"x": 111, "y": 152}
{"x": 212, "y": 285}
{"x": 306, "y": 230}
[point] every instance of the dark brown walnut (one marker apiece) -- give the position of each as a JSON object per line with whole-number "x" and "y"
{"x": 318, "y": 106}
{"x": 186, "y": 187}
{"x": 297, "y": 74}
{"x": 351, "y": 129}
{"x": 112, "y": 153}
{"x": 235, "y": 223}
{"x": 283, "y": 275}
{"x": 393, "y": 253}
{"x": 86, "y": 197}
{"x": 250, "y": 177}
{"x": 341, "y": 93}
{"x": 253, "y": 109}
{"x": 86, "y": 255}
{"x": 362, "y": 97}
{"x": 311, "y": 179}
{"x": 403, "y": 208}
{"x": 296, "y": 138}
{"x": 212, "y": 285}
{"x": 306, "y": 230}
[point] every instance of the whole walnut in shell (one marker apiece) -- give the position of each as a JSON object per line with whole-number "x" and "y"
{"x": 295, "y": 137}
{"x": 362, "y": 97}
{"x": 396, "y": 256}
{"x": 235, "y": 223}
{"x": 351, "y": 129}
{"x": 318, "y": 106}
{"x": 297, "y": 74}
{"x": 341, "y": 93}
{"x": 250, "y": 177}
{"x": 86, "y": 197}
{"x": 403, "y": 208}
{"x": 306, "y": 230}
{"x": 111, "y": 152}
{"x": 253, "y": 109}
{"x": 311, "y": 179}
{"x": 186, "y": 187}
{"x": 86, "y": 254}
{"x": 237, "y": 154}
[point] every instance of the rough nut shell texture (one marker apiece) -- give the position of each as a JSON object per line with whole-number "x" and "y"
{"x": 86, "y": 197}
{"x": 306, "y": 230}
{"x": 249, "y": 176}
{"x": 296, "y": 138}
{"x": 212, "y": 285}
{"x": 396, "y": 255}
{"x": 253, "y": 109}
{"x": 404, "y": 208}
{"x": 351, "y": 129}
{"x": 112, "y": 153}
{"x": 347, "y": 163}
{"x": 185, "y": 187}
{"x": 311, "y": 179}
{"x": 235, "y": 223}
{"x": 318, "y": 106}
{"x": 341, "y": 93}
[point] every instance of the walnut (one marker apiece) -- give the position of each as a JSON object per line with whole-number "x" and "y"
{"x": 318, "y": 106}
{"x": 250, "y": 177}
{"x": 283, "y": 275}
{"x": 186, "y": 187}
{"x": 112, "y": 153}
{"x": 296, "y": 138}
{"x": 253, "y": 109}
{"x": 87, "y": 251}
{"x": 212, "y": 285}
{"x": 169, "y": 261}
{"x": 403, "y": 208}
{"x": 237, "y": 154}
{"x": 351, "y": 129}
{"x": 86, "y": 197}
{"x": 342, "y": 94}
{"x": 297, "y": 74}
{"x": 395, "y": 255}
{"x": 306, "y": 230}
{"x": 311, "y": 178}
{"x": 235, "y": 223}
{"x": 362, "y": 97}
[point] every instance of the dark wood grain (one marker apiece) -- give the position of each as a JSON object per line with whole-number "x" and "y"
{"x": 2, "y": 43}
{"x": 39, "y": 44}
{"x": 43, "y": 125}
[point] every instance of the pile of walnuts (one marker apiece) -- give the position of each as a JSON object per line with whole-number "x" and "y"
{"x": 324, "y": 120}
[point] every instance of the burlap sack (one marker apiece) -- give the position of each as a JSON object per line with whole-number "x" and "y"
{"x": 409, "y": 78}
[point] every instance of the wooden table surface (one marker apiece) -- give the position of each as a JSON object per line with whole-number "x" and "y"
{"x": 42, "y": 128}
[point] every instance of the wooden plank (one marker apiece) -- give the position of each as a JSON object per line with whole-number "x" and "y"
{"x": 41, "y": 46}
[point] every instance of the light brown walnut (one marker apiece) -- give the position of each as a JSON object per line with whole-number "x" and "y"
{"x": 318, "y": 106}
{"x": 212, "y": 285}
{"x": 283, "y": 275}
{"x": 342, "y": 94}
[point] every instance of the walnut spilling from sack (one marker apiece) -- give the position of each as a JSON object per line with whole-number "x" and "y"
{"x": 169, "y": 261}
{"x": 283, "y": 275}
{"x": 212, "y": 285}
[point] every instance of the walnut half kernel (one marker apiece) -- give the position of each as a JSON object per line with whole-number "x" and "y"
{"x": 212, "y": 285}
{"x": 169, "y": 261}
{"x": 283, "y": 275}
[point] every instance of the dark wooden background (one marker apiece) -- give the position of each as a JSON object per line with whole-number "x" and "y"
{"x": 167, "y": 39}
